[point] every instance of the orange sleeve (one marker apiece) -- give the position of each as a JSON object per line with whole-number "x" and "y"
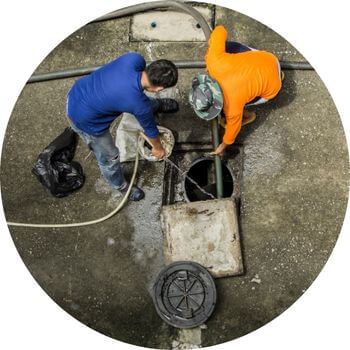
{"x": 233, "y": 127}
{"x": 217, "y": 40}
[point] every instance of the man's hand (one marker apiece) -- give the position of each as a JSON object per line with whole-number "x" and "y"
{"x": 158, "y": 152}
{"x": 157, "y": 149}
{"x": 220, "y": 150}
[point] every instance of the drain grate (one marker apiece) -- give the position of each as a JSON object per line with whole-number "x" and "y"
{"x": 184, "y": 294}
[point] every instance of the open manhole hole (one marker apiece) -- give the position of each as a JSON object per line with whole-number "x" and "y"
{"x": 184, "y": 294}
{"x": 202, "y": 171}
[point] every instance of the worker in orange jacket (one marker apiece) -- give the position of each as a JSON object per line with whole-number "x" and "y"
{"x": 238, "y": 76}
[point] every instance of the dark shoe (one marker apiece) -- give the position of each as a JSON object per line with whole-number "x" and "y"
{"x": 136, "y": 194}
{"x": 168, "y": 105}
{"x": 248, "y": 117}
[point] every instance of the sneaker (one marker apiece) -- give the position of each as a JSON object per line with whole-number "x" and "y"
{"x": 249, "y": 119}
{"x": 282, "y": 76}
{"x": 136, "y": 194}
{"x": 245, "y": 120}
{"x": 222, "y": 122}
{"x": 168, "y": 105}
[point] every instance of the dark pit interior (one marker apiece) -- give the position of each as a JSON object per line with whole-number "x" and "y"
{"x": 203, "y": 172}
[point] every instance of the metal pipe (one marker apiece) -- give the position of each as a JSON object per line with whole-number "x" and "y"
{"x": 75, "y": 72}
{"x": 288, "y": 65}
{"x": 70, "y": 73}
{"x": 217, "y": 159}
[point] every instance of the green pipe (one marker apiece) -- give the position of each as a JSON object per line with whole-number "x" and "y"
{"x": 75, "y": 72}
{"x": 217, "y": 159}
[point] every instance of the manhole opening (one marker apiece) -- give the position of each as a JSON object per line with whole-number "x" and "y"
{"x": 184, "y": 156}
{"x": 202, "y": 171}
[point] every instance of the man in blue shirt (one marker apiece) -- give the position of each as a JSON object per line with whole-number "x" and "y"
{"x": 97, "y": 99}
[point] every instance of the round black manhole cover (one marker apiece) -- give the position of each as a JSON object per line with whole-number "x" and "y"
{"x": 184, "y": 294}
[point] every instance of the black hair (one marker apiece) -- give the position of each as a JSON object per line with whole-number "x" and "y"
{"x": 162, "y": 73}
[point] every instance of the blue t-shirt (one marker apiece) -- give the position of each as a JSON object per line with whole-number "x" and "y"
{"x": 95, "y": 100}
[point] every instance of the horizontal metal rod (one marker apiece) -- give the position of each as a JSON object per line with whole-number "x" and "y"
{"x": 76, "y": 72}
{"x": 69, "y": 73}
{"x": 290, "y": 65}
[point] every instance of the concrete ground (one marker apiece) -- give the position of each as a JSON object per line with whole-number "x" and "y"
{"x": 293, "y": 196}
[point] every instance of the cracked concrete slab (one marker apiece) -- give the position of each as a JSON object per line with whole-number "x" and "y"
{"x": 205, "y": 232}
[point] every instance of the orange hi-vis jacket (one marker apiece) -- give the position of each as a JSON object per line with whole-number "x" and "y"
{"x": 242, "y": 77}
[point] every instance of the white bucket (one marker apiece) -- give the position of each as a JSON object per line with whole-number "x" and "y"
{"x": 166, "y": 139}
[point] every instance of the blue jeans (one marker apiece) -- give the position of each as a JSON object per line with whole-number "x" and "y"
{"x": 107, "y": 154}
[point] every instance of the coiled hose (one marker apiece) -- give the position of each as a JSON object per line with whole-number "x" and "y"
{"x": 92, "y": 222}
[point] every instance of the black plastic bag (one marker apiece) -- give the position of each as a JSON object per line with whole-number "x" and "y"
{"x": 55, "y": 168}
